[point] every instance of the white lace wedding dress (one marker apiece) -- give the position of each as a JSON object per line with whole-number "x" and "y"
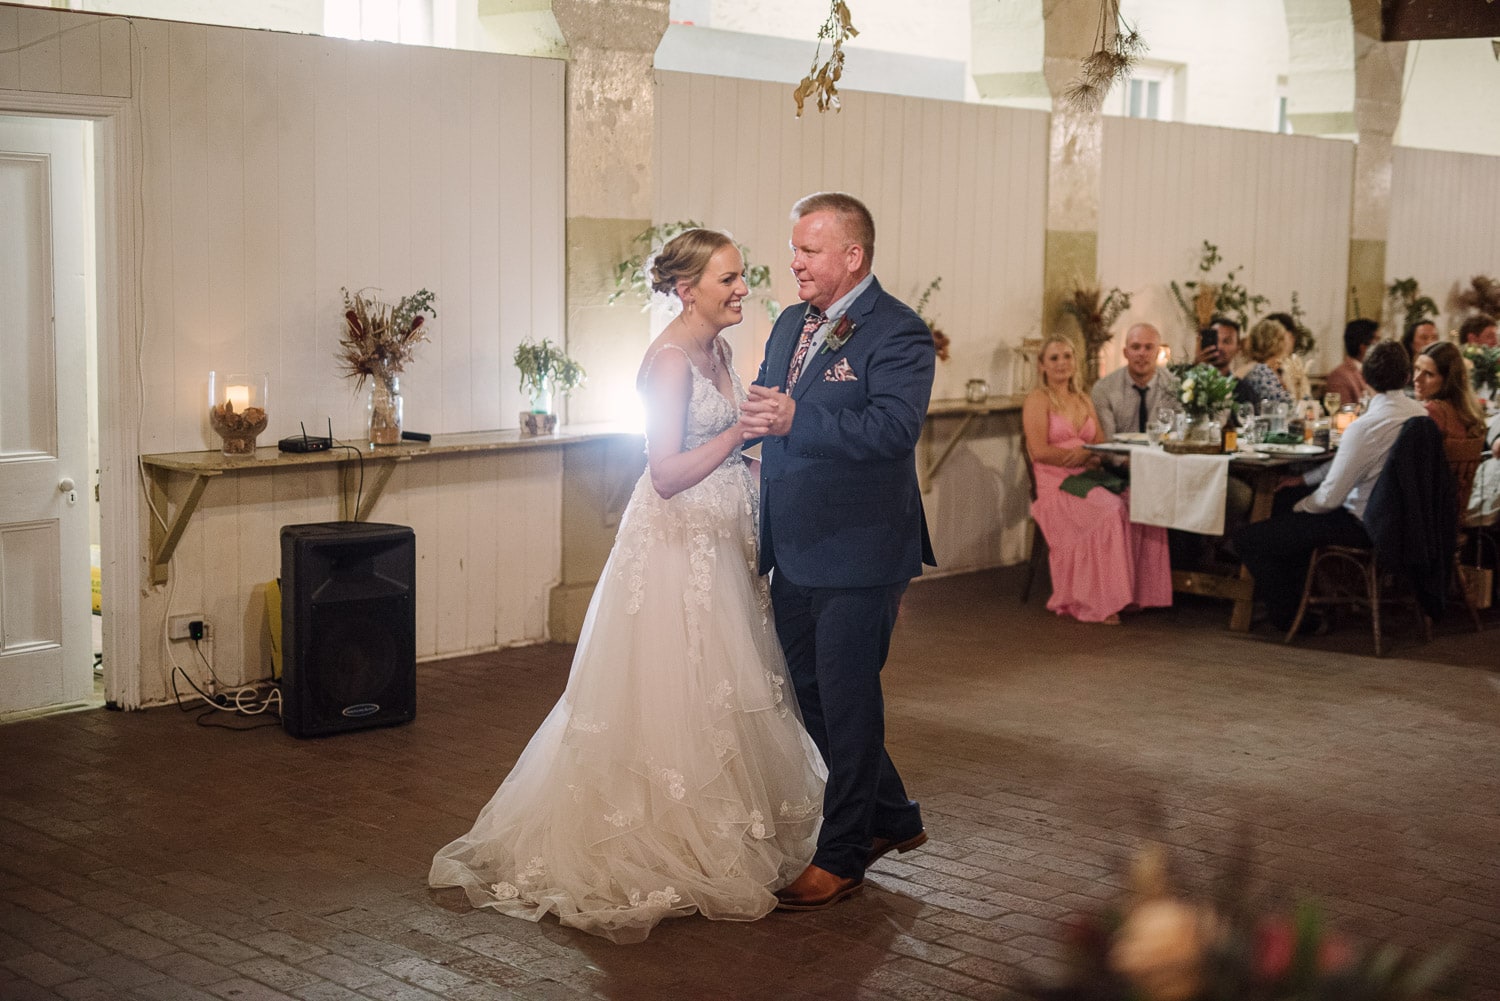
{"x": 674, "y": 774}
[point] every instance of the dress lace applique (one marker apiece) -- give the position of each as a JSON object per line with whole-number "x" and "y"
{"x": 777, "y": 684}
{"x": 671, "y": 778}
{"x": 719, "y": 697}
{"x": 757, "y": 824}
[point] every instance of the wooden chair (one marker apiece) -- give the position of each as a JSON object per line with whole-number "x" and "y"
{"x": 1464, "y": 458}
{"x": 1372, "y": 587}
{"x": 1038, "y": 545}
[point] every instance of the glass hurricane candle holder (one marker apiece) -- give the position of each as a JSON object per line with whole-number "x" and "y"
{"x": 237, "y": 409}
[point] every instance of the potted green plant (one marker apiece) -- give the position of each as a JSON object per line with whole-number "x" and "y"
{"x": 546, "y": 371}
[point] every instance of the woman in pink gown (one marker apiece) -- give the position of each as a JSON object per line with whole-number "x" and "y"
{"x": 1101, "y": 563}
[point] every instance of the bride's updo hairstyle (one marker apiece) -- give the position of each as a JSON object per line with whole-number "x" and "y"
{"x": 684, "y": 258}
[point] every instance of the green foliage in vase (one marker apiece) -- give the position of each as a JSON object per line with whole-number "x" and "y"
{"x": 1407, "y": 302}
{"x": 631, "y": 277}
{"x": 547, "y": 365}
{"x": 1201, "y": 300}
{"x": 1484, "y": 366}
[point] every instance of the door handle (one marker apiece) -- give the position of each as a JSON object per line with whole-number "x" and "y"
{"x": 67, "y": 486}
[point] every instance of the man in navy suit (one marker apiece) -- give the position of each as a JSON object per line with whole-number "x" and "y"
{"x": 842, "y": 395}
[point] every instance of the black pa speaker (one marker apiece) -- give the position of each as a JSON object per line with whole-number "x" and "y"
{"x": 348, "y": 627}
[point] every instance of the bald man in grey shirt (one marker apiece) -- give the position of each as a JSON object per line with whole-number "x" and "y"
{"x": 1128, "y": 398}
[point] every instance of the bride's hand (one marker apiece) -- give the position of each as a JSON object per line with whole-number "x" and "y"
{"x": 768, "y": 409}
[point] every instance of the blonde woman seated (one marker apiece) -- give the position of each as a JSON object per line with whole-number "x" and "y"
{"x": 1268, "y": 345}
{"x": 1101, "y": 563}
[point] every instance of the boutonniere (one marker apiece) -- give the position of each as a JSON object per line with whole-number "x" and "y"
{"x": 841, "y": 332}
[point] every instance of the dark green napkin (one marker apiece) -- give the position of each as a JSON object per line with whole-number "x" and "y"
{"x": 1079, "y": 484}
{"x": 1282, "y": 438}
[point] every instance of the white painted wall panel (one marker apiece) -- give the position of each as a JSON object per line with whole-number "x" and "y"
{"x": 1444, "y": 208}
{"x": 275, "y": 169}
{"x": 1277, "y": 205}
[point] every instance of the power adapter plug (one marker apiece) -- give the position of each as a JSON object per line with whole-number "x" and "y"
{"x": 196, "y": 630}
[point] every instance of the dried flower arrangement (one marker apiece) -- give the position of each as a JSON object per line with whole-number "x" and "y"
{"x": 1406, "y": 301}
{"x": 1482, "y": 296}
{"x": 822, "y": 80}
{"x": 939, "y": 339}
{"x": 379, "y": 339}
{"x": 1117, "y": 45}
{"x": 1096, "y": 312}
{"x": 1162, "y": 946}
{"x": 1210, "y": 299}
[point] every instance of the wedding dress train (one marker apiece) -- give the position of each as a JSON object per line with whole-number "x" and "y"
{"x": 674, "y": 774}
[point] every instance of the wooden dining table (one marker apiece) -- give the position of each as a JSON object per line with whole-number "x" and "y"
{"x": 1263, "y": 470}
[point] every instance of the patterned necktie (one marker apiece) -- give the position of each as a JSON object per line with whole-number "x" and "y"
{"x": 810, "y": 324}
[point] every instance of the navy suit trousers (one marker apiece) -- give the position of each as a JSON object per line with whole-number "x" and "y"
{"x": 836, "y": 640}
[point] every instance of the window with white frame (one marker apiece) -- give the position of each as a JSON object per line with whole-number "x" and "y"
{"x": 1149, "y": 92}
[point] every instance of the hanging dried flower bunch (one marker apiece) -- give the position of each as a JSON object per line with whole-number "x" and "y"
{"x": 822, "y": 80}
{"x": 1117, "y": 45}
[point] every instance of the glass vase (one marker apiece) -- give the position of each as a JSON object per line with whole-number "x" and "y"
{"x": 237, "y": 409}
{"x": 385, "y": 411}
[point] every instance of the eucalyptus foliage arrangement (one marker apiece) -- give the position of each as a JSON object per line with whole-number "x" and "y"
{"x": 631, "y": 277}
{"x": 1201, "y": 299}
{"x": 940, "y": 340}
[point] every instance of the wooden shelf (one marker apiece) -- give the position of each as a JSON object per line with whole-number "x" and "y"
{"x": 967, "y": 411}
{"x": 204, "y": 466}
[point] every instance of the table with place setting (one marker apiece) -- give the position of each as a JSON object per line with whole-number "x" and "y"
{"x": 1186, "y": 492}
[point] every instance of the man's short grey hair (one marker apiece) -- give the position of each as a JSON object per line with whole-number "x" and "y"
{"x": 851, "y": 212}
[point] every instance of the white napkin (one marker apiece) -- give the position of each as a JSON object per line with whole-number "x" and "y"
{"x": 1178, "y": 491}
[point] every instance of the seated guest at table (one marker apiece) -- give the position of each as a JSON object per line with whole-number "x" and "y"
{"x": 1267, "y": 345}
{"x": 1276, "y": 551}
{"x": 1442, "y": 383}
{"x": 1418, "y": 335}
{"x": 1101, "y": 563}
{"x": 1477, "y": 329}
{"x": 1484, "y": 500}
{"x": 1345, "y": 379}
{"x": 1222, "y": 351}
{"x": 1128, "y": 398}
{"x": 1292, "y": 370}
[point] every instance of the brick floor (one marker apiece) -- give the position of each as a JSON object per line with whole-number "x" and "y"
{"x": 144, "y": 857}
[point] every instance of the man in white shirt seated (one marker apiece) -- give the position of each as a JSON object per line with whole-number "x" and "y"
{"x": 1128, "y": 398}
{"x": 1277, "y": 550}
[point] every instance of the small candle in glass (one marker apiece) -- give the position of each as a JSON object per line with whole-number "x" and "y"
{"x": 237, "y": 410}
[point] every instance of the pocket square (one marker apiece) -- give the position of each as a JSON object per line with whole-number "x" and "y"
{"x": 840, "y": 372}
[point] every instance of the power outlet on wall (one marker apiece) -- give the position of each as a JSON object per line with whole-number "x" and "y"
{"x": 180, "y": 627}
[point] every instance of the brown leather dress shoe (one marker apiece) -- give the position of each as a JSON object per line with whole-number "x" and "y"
{"x": 814, "y": 890}
{"x": 880, "y": 846}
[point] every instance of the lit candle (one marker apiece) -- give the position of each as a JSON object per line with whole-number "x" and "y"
{"x": 1163, "y": 357}
{"x": 238, "y": 398}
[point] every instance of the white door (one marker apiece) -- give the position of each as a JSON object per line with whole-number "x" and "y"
{"x": 45, "y": 649}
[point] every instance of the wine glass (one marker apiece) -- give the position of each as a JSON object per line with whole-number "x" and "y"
{"x": 1163, "y": 424}
{"x": 1332, "y": 402}
{"x": 1246, "y": 413}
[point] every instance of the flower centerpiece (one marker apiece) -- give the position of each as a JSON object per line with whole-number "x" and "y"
{"x": 377, "y": 342}
{"x": 1161, "y": 946}
{"x": 1205, "y": 395}
{"x": 546, "y": 369}
{"x": 1484, "y": 367}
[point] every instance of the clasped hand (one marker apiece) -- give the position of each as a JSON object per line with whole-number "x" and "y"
{"x": 768, "y": 411}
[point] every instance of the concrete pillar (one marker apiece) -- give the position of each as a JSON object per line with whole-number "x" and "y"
{"x": 1074, "y": 159}
{"x": 1378, "y": 68}
{"x": 610, "y": 121}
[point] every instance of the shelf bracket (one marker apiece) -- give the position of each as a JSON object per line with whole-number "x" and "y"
{"x": 164, "y": 538}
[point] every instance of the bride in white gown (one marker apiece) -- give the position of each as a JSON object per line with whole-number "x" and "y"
{"x": 674, "y": 774}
